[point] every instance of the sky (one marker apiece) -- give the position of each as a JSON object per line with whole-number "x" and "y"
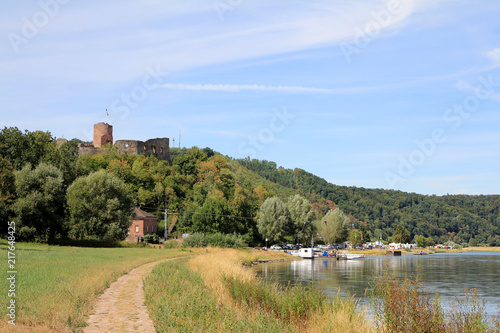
{"x": 393, "y": 94}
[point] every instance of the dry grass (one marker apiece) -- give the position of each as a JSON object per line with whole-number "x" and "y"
{"x": 308, "y": 310}
{"x": 57, "y": 287}
{"x": 483, "y": 248}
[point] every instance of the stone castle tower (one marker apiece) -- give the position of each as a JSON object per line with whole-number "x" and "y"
{"x": 103, "y": 134}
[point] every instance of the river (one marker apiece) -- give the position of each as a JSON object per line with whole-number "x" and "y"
{"x": 447, "y": 273}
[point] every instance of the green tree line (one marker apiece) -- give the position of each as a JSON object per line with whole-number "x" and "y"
{"x": 52, "y": 192}
{"x": 459, "y": 218}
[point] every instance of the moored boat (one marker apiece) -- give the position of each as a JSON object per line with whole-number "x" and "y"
{"x": 305, "y": 252}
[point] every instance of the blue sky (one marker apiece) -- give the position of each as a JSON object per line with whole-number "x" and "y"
{"x": 399, "y": 94}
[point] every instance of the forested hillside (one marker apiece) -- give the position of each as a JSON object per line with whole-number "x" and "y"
{"x": 51, "y": 192}
{"x": 460, "y": 218}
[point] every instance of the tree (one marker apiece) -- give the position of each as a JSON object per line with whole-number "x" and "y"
{"x": 28, "y": 147}
{"x": 473, "y": 242}
{"x": 334, "y": 226}
{"x": 7, "y": 192}
{"x": 261, "y": 193}
{"x": 215, "y": 216}
{"x": 356, "y": 236}
{"x": 302, "y": 216}
{"x": 100, "y": 207}
{"x": 39, "y": 207}
{"x": 274, "y": 222}
{"x": 401, "y": 235}
{"x": 420, "y": 240}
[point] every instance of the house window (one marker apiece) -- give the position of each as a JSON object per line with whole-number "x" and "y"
{"x": 136, "y": 228}
{"x": 147, "y": 228}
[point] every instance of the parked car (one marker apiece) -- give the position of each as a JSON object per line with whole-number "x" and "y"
{"x": 276, "y": 247}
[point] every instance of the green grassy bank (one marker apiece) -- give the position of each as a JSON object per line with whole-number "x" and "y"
{"x": 214, "y": 292}
{"x": 56, "y": 287}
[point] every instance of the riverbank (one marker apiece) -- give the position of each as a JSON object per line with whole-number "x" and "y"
{"x": 57, "y": 288}
{"x": 216, "y": 292}
{"x": 483, "y": 248}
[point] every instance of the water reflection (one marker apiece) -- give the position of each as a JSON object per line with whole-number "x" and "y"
{"x": 449, "y": 274}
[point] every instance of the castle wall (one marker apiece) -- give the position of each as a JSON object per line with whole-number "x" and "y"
{"x": 159, "y": 147}
{"x": 103, "y": 134}
{"x": 131, "y": 147}
{"x": 86, "y": 149}
{"x": 60, "y": 142}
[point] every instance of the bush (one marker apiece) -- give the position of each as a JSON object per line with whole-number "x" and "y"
{"x": 151, "y": 238}
{"x": 406, "y": 306}
{"x": 468, "y": 314}
{"x": 216, "y": 239}
{"x": 453, "y": 245}
{"x": 172, "y": 244}
{"x": 473, "y": 242}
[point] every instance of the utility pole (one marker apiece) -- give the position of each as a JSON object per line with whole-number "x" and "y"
{"x": 165, "y": 233}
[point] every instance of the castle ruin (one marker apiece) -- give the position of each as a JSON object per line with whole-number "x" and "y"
{"x": 103, "y": 134}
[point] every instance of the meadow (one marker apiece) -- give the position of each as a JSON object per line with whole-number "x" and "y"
{"x": 212, "y": 290}
{"x": 57, "y": 286}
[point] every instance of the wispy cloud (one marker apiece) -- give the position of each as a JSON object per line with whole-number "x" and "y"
{"x": 243, "y": 87}
{"x": 494, "y": 55}
{"x": 468, "y": 88}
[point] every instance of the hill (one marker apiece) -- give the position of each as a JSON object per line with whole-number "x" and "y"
{"x": 459, "y": 218}
{"x": 209, "y": 192}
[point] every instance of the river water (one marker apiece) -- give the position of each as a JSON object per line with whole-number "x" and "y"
{"x": 448, "y": 273}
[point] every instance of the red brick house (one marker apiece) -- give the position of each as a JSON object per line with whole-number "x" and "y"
{"x": 142, "y": 224}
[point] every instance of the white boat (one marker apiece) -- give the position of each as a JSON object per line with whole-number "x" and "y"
{"x": 304, "y": 252}
{"x": 350, "y": 256}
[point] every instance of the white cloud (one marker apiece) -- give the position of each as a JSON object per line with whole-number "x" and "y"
{"x": 242, "y": 87}
{"x": 494, "y": 55}
{"x": 110, "y": 42}
{"x": 478, "y": 91}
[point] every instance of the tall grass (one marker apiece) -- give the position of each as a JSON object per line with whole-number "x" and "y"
{"x": 179, "y": 301}
{"x": 305, "y": 309}
{"x": 407, "y": 306}
{"x": 468, "y": 315}
{"x": 57, "y": 287}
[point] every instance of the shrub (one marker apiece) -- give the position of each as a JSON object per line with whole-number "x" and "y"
{"x": 468, "y": 314}
{"x": 172, "y": 244}
{"x": 405, "y": 306}
{"x": 151, "y": 238}
{"x": 215, "y": 239}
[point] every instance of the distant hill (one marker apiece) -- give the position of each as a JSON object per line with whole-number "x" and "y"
{"x": 460, "y": 218}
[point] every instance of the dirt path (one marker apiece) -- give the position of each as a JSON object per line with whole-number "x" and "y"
{"x": 121, "y": 308}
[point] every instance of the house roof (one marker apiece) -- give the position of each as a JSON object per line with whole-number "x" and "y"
{"x": 139, "y": 214}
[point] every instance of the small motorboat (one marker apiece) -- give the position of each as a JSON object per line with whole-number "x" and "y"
{"x": 305, "y": 252}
